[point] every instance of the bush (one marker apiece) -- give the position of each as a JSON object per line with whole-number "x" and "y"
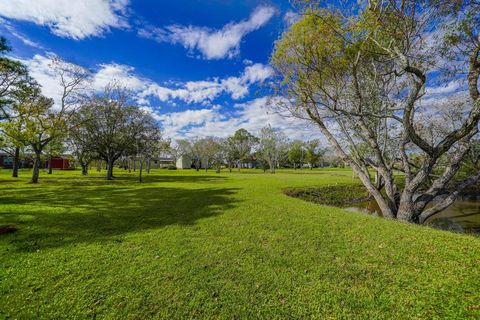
{"x": 336, "y": 195}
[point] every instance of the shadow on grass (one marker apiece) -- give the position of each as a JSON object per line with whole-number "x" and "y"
{"x": 59, "y": 215}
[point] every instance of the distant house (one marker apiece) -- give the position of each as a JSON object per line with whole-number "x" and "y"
{"x": 162, "y": 162}
{"x": 26, "y": 161}
{"x": 252, "y": 164}
{"x": 184, "y": 162}
{"x": 6, "y": 161}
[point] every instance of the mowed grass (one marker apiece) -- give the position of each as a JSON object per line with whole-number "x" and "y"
{"x": 188, "y": 244}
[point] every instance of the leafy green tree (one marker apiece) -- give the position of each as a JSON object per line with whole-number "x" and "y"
{"x": 12, "y": 74}
{"x": 313, "y": 153}
{"x": 35, "y": 123}
{"x": 209, "y": 151}
{"x": 243, "y": 142}
{"x": 230, "y": 152}
{"x": 296, "y": 153}
{"x": 78, "y": 140}
{"x": 147, "y": 140}
{"x": 111, "y": 125}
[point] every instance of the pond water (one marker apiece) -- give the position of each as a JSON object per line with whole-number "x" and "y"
{"x": 462, "y": 216}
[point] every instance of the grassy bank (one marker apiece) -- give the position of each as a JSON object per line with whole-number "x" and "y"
{"x": 188, "y": 244}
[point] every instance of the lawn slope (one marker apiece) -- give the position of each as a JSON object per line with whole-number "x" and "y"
{"x": 188, "y": 244}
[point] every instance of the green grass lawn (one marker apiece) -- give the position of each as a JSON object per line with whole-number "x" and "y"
{"x": 187, "y": 244}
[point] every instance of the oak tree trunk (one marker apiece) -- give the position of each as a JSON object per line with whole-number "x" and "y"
{"x": 84, "y": 169}
{"x": 49, "y": 165}
{"x": 16, "y": 162}
{"x": 36, "y": 167}
{"x": 110, "y": 169}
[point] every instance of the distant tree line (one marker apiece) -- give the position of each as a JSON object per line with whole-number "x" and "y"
{"x": 271, "y": 150}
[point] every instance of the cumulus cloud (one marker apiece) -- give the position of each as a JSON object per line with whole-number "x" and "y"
{"x": 122, "y": 74}
{"x": 252, "y": 116}
{"x": 291, "y": 17}
{"x": 208, "y": 90}
{"x": 67, "y": 18}
{"x": 211, "y": 43}
{"x": 40, "y": 68}
{"x": 208, "y": 120}
{"x": 26, "y": 40}
{"x": 450, "y": 87}
{"x": 177, "y": 124}
{"x": 201, "y": 92}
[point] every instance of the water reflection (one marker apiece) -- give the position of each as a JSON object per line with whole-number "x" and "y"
{"x": 462, "y": 216}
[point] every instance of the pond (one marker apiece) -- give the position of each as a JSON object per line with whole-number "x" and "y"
{"x": 462, "y": 216}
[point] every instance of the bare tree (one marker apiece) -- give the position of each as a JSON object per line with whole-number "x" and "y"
{"x": 209, "y": 151}
{"x": 178, "y": 149}
{"x": 272, "y": 147}
{"x": 147, "y": 140}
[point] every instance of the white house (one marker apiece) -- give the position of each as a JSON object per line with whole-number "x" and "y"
{"x": 184, "y": 162}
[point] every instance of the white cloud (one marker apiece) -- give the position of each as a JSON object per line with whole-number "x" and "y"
{"x": 450, "y": 87}
{"x": 212, "y": 44}
{"x": 121, "y": 74}
{"x": 175, "y": 122}
{"x": 8, "y": 26}
{"x": 202, "y": 91}
{"x": 40, "y": 68}
{"x": 291, "y": 17}
{"x": 256, "y": 73}
{"x": 208, "y": 90}
{"x": 208, "y": 121}
{"x": 252, "y": 116}
{"x": 68, "y": 18}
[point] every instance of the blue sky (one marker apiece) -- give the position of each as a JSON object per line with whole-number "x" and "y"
{"x": 198, "y": 66}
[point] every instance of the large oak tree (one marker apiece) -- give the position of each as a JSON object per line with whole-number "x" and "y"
{"x": 362, "y": 75}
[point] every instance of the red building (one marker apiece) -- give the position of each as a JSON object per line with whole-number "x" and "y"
{"x": 26, "y": 161}
{"x": 59, "y": 163}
